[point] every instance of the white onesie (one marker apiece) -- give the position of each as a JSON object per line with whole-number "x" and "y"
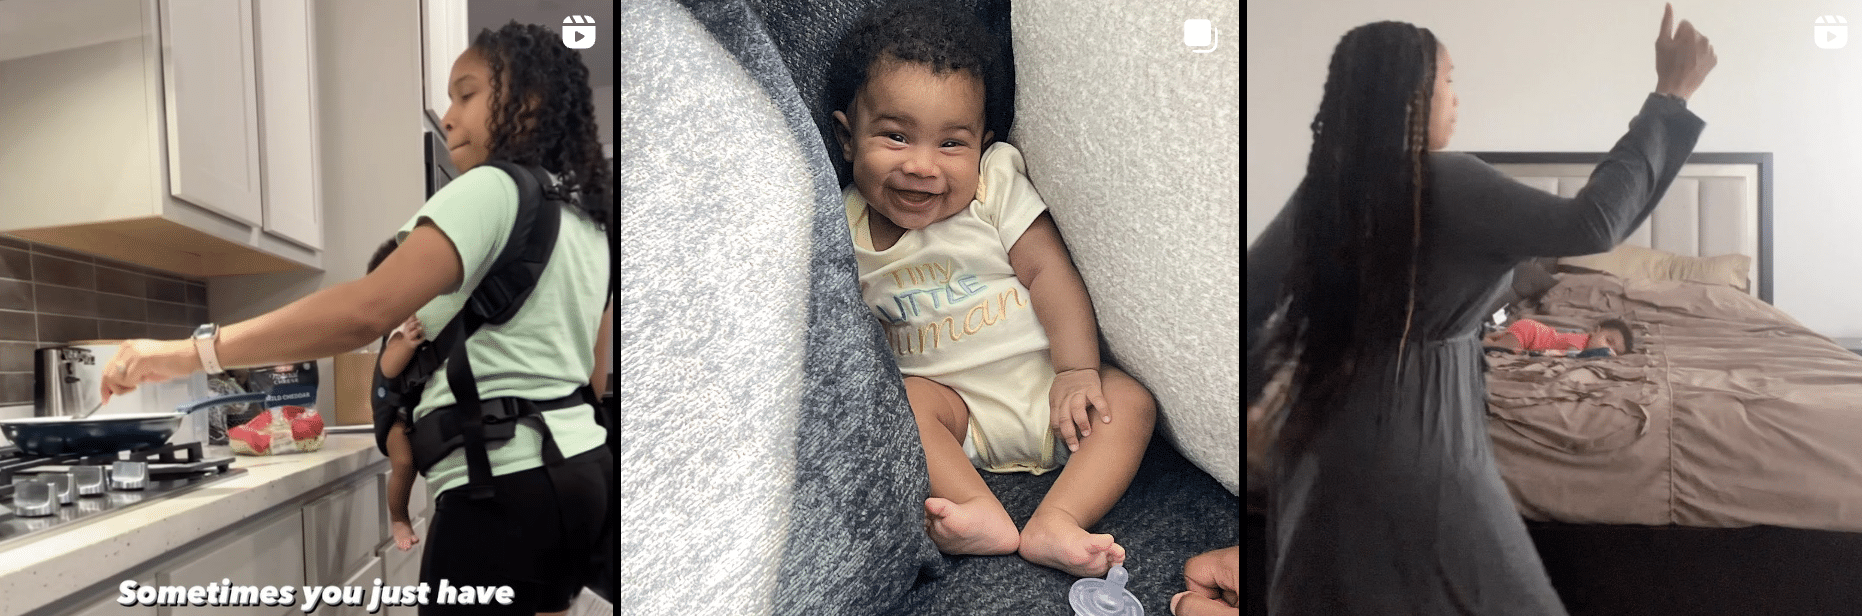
{"x": 954, "y": 312}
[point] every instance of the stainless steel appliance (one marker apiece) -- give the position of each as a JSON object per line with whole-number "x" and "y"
{"x": 40, "y": 493}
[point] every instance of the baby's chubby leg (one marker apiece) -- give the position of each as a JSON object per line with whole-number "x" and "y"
{"x": 962, "y": 516}
{"x": 1095, "y": 477}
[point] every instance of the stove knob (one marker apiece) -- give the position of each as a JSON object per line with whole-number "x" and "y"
{"x": 33, "y": 498}
{"x": 61, "y": 486}
{"x": 129, "y": 475}
{"x": 89, "y": 480}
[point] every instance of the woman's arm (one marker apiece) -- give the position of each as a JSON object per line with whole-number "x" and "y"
{"x": 1058, "y": 296}
{"x": 323, "y": 324}
{"x": 1493, "y": 213}
{"x": 352, "y": 313}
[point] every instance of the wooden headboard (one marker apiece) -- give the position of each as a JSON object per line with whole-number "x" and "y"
{"x": 1720, "y": 203}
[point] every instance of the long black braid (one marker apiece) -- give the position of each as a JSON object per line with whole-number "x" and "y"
{"x": 530, "y": 63}
{"x": 1349, "y": 294}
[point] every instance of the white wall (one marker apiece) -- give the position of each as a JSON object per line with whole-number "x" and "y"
{"x": 1568, "y": 76}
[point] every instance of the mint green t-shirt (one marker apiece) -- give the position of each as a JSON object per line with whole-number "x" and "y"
{"x": 544, "y": 352}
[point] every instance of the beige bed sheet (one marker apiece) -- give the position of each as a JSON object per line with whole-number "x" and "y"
{"x": 1730, "y": 414}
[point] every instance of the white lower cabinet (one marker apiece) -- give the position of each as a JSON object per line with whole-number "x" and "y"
{"x": 109, "y": 607}
{"x": 364, "y": 578}
{"x": 342, "y": 531}
{"x": 270, "y": 554}
{"x": 339, "y": 538}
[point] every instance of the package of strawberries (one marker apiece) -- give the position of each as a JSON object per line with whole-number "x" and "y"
{"x": 289, "y": 421}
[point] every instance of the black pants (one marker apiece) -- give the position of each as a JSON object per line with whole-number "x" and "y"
{"x": 538, "y": 535}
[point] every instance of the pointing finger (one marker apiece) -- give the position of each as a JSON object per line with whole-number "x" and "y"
{"x": 1668, "y": 18}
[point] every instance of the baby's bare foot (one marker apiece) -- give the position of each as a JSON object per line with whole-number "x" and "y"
{"x": 404, "y": 536}
{"x": 1053, "y": 540}
{"x": 978, "y": 526}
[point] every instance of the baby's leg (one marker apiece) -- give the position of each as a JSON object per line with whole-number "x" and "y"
{"x": 1094, "y": 478}
{"x": 961, "y": 516}
{"x": 400, "y": 487}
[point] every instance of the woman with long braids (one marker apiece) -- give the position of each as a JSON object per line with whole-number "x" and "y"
{"x": 1365, "y": 391}
{"x": 519, "y": 95}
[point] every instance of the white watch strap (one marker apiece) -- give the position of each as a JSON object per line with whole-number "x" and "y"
{"x": 209, "y": 357}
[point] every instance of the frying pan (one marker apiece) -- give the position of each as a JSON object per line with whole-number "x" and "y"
{"x": 51, "y": 436}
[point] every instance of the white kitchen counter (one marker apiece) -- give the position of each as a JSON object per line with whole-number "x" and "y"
{"x": 44, "y": 570}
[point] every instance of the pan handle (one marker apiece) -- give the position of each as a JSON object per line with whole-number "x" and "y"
{"x": 189, "y": 407}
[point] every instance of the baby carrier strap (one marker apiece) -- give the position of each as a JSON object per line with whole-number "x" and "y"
{"x": 507, "y": 285}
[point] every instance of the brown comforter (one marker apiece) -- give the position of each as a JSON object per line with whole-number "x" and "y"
{"x": 1729, "y": 413}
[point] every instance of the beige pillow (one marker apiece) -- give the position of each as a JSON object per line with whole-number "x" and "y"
{"x": 1639, "y": 263}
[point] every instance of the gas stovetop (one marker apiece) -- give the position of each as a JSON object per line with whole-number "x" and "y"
{"x": 41, "y": 493}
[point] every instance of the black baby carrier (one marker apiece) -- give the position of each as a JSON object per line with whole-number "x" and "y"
{"x": 471, "y": 423}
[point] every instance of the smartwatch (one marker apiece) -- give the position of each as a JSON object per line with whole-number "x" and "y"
{"x": 205, "y": 338}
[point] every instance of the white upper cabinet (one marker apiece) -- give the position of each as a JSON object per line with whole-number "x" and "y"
{"x": 177, "y": 134}
{"x": 212, "y": 104}
{"x": 447, "y": 37}
{"x": 287, "y": 93}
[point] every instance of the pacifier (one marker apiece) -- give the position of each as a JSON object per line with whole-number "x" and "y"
{"x": 1107, "y": 597}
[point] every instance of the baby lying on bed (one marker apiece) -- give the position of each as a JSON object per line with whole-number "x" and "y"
{"x": 990, "y": 322}
{"x": 1611, "y": 337}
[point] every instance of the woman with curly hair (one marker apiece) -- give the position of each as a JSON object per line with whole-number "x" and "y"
{"x": 519, "y": 95}
{"x": 1365, "y": 393}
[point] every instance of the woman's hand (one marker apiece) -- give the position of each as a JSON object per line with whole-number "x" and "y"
{"x": 148, "y": 361}
{"x": 1067, "y": 399}
{"x": 1682, "y": 58}
{"x": 1214, "y": 582}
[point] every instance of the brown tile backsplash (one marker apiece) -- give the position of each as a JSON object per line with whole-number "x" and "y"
{"x": 170, "y": 332}
{"x": 16, "y": 356}
{"x": 123, "y": 282}
{"x": 47, "y": 269}
{"x": 164, "y": 313}
{"x": 53, "y": 299}
{"x": 16, "y": 386}
{"x": 15, "y": 264}
{"x": 123, "y": 308}
{"x": 66, "y": 329}
{"x": 18, "y": 326}
{"x": 15, "y": 295}
{"x": 52, "y": 296}
{"x": 168, "y": 290}
{"x": 121, "y": 330}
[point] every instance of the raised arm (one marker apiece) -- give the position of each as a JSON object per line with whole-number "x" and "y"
{"x": 1476, "y": 204}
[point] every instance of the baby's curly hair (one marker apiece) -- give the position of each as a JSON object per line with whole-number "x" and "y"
{"x": 945, "y": 38}
{"x": 529, "y": 62}
{"x": 1621, "y": 327}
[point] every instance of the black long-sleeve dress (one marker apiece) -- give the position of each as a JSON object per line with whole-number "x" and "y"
{"x": 1402, "y": 510}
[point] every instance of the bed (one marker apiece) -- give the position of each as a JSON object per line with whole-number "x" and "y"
{"x": 1721, "y": 479}
{"x": 1712, "y": 471}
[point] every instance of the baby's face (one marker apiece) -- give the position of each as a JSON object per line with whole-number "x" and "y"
{"x": 915, "y": 140}
{"x": 1607, "y": 337}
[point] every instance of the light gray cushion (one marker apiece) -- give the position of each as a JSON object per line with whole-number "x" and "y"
{"x": 1134, "y": 141}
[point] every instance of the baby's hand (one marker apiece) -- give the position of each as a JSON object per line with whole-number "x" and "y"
{"x": 1067, "y": 400}
{"x": 412, "y": 332}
